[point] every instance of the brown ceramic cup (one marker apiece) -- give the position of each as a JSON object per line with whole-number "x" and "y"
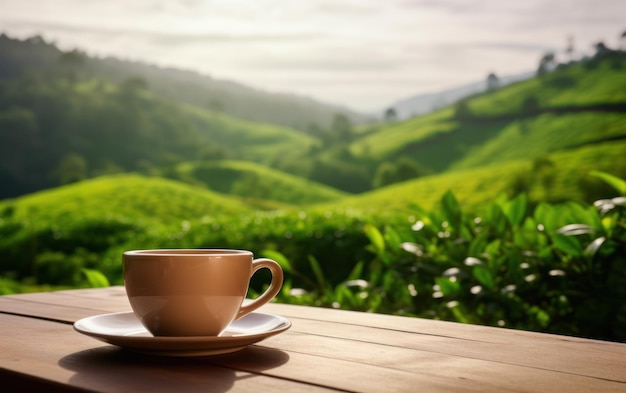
{"x": 193, "y": 292}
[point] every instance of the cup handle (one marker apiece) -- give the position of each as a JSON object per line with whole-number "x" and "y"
{"x": 274, "y": 288}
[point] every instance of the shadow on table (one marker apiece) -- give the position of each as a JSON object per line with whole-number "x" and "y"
{"x": 112, "y": 368}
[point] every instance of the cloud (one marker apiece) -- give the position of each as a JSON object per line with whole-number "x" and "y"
{"x": 361, "y": 50}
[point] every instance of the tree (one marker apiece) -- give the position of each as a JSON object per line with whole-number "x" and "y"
{"x": 216, "y": 106}
{"x": 134, "y": 84}
{"x": 341, "y": 127}
{"x": 72, "y": 62}
{"x": 385, "y": 174}
{"x": 493, "y": 82}
{"x": 546, "y": 64}
{"x": 569, "y": 50}
{"x": 601, "y": 49}
{"x": 530, "y": 105}
{"x": 402, "y": 170}
{"x": 72, "y": 168}
{"x": 391, "y": 115}
{"x": 462, "y": 110}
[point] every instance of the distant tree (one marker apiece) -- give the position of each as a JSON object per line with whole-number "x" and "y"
{"x": 407, "y": 169}
{"x": 314, "y": 129}
{"x": 402, "y": 170}
{"x": 72, "y": 57}
{"x": 216, "y": 106}
{"x": 546, "y": 64}
{"x": 391, "y": 115}
{"x": 623, "y": 39}
{"x": 134, "y": 84}
{"x": 601, "y": 49}
{"x": 385, "y": 175}
{"x": 493, "y": 82}
{"x": 36, "y": 40}
{"x": 341, "y": 127}
{"x": 71, "y": 63}
{"x": 462, "y": 110}
{"x": 530, "y": 104}
{"x": 213, "y": 153}
{"x": 71, "y": 169}
{"x": 107, "y": 168}
{"x": 569, "y": 49}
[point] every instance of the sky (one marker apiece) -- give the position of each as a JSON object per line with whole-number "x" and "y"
{"x": 361, "y": 54}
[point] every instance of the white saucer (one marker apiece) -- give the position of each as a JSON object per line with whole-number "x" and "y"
{"x": 124, "y": 330}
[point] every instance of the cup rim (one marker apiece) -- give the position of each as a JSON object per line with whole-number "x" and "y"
{"x": 187, "y": 252}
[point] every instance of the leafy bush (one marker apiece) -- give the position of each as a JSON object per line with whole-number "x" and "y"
{"x": 557, "y": 268}
{"x": 547, "y": 267}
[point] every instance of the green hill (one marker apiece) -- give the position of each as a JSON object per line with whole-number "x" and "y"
{"x": 573, "y": 106}
{"x": 541, "y": 138}
{"x": 254, "y": 182}
{"x": 245, "y": 140}
{"x": 556, "y": 177}
{"x": 126, "y": 195}
{"x": 94, "y": 219}
{"x": 18, "y": 58}
{"x": 56, "y": 131}
{"x": 597, "y": 81}
{"x": 61, "y": 125}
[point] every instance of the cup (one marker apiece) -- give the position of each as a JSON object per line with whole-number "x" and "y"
{"x": 193, "y": 292}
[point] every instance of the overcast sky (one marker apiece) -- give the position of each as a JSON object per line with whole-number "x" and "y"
{"x": 362, "y": 54}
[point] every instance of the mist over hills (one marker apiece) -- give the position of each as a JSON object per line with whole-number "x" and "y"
{"x": 424, "y": 103}
{"x": 65, "y": 117}
{"x": 229, "y": 97}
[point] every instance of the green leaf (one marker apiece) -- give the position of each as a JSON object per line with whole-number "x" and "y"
{"x": 618, "y": 184}
{"x": 568, "y": 244}
{"x": 376, "y": 238}
{"x": 95, "y": 279}
{"x": 460, "y": 314}
{"x": 575, "y": 229}
{"x": 516, "y": 210}
{"x": 451, "y": 208}
{"x": 592, "y": 249}
{"x": 541, "y": 315}
{"x": 356, "y": 271}
{"x": 483, "y": 276}
{"x": 392, "y": 238}
{"x": 280, "y": 258}
{"x": 317, "y": 270}
{"x": 447, "y": 287}
{"x": 545, "y": 216}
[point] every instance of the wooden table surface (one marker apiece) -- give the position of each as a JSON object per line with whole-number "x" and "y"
{"x": 324, "y": 350}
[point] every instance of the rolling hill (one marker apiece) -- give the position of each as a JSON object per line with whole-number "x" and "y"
{"x": 17, "y": 58}
{"x": 125, "y": 195}
{"x": 255, "y": 183}
{"x": 556, "y": 177}
{"x": 576, "y": 105}
{"x": 56, "y": 131}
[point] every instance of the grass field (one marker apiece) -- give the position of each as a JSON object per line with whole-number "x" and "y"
{"x": 563, "y": 179}
{"x": 254, "y": 182}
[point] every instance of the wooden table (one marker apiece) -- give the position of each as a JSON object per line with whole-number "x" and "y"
{"x": 325, "y": 350}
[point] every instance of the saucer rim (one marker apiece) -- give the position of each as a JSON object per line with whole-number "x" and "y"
{"x": 177, "y": 345}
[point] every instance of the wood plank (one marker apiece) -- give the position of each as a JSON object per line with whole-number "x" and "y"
{"x": 563, "y": 356}
{"x": 68, "y": 358}
{"x": 550, "y": 352}
{"x": 347, "y": 344}
{"x": 496, "y": 375}
{"x": 113, "y": 299}
{"x": 52, "y": 353}
{"x": 93, "y": 368}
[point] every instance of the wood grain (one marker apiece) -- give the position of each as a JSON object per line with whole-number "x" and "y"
{"x": 54, "y": 354}
{"x": 335, "y": 349}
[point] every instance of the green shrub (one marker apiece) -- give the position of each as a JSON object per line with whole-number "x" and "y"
{"x": 556, "y": 268}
